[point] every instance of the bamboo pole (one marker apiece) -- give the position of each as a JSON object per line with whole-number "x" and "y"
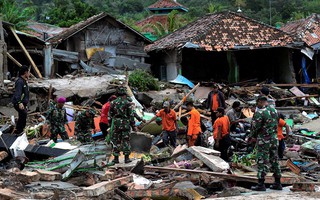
{"x": 185, "y": 97}
{"x": 26, "y": 53}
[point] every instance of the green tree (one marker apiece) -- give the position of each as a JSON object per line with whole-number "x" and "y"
{"x": 65, "y": 13}
{"x": 174, "y": 22}
{"x": 11, "y": 12}
{"x": 213, "y": 8}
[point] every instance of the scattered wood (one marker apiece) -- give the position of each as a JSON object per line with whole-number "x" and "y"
{"x": 28, "y": 177}
{"x": 49, "y": 175}
{"x": 215, "y": 174}
{"x": 293, "y": 85}
{"x": 304, "y": 187}
{"x": 105, "y": 186}
{"x": 295, "y": 169}
{"x": 186, "y": 96}
{"x": 296, "y": 97}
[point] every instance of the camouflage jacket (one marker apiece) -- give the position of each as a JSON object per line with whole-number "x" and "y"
{"x": 83, "y": 122}
{"x": 265, "y": 123}
{"x": 122, "y": 114}
{"x": 56, "y": 116}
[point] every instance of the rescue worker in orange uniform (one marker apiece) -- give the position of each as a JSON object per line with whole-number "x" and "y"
{"x": 194, "y": 124}
{"x": 169, "y": 124}
{"x": 221, "y": 133}
{"x": 214, "y": 101}
{"x": 281, "y": 137}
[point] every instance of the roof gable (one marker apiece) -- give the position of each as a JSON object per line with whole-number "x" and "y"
{"x": 167, "y": 4}
{"x": 307, "y": 29}
{"x": 224, "y": 31}
{"x": 82, "y": 25}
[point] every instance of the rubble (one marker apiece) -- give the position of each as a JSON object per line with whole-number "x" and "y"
{"x": 69, "y": 169}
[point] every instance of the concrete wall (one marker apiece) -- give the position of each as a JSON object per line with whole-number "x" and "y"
{"x": 172, "y": 64}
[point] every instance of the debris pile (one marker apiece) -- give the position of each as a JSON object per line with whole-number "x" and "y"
{"x": 32, "y": 166}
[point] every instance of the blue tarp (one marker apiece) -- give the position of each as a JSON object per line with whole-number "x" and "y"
{"x": 182, "y": 80}
{"x": 304, "y": 70}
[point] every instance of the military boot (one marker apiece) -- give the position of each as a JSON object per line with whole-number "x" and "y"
{"x": 276, "y": 185}
{"x": 116, "y": 160}
{"x": 260, "y": 186}
{"x": 127, "y": 159}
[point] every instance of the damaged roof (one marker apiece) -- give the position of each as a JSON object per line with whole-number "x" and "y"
{"x": 307, "y": 29}
{"x": 38, "y": 29}
{"x": 167, "y": 4}
{"x": 152, "y": 20}
{"x": 225, "y": 31}
{"x": 84, "y": 24}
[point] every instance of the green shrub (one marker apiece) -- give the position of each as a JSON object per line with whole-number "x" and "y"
{"x": 143, "y": 81}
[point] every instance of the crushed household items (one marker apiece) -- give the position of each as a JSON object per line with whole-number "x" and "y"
{"x": 159, "y": 159}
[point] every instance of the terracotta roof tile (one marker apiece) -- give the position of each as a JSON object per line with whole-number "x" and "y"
{"x": 153, "y": 19}
{"x": 166, "y": 4}
{"x": 307, "y": 29}
{"x": 225, "y": 31}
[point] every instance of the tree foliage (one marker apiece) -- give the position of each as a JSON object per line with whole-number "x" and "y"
{"x": 65, "y": 13}
{"x": 11, "y": 11}
{"x": 68, "y": 12}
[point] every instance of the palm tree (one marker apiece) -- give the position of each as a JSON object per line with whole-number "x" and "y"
{"x": 173, "y": 23}
{"x": 213, "y": 8}
{"x": 11, "y": 12}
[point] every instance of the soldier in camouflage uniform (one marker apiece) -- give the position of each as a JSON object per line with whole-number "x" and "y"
{"x": 85, "y": 125}
{"x": 122, "y": 117}
{"x": 264, "y": 130}
{"x": 57, "y": 119}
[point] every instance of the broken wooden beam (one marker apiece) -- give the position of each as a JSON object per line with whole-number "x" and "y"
{"x": 295, "y": 97}
{"x": 13, "y": 59}
{"x": 186, "y": 96}
{"x": 293, "y": 85}
{"x": 153, "y": 193}
{"x": 106, "y": 186}
{"x": 26, "y": 52}
{"x": 216, "y": 174}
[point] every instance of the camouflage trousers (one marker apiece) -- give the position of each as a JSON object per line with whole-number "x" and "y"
{"x": 267, "y": 152}
{"x": 55, "y": 131}
{"x": 84, "y": 136}
{"x": 121, "y": 142}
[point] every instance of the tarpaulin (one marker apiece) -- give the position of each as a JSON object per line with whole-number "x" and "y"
{"x": 304, "y": 70}
{"x": 182, "y": 80}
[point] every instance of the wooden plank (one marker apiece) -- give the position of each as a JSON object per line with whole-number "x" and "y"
{"x": 106, "y": 186}
{"x": 295, "y": 97}
{"x": 186, "y": 96}
{"x": 215, "y": 174}
{"x": 26, "y": 53}
{"x": 65, "y": 56}
{"x": 17, "y": 62}
{"x": 293, "y": 85}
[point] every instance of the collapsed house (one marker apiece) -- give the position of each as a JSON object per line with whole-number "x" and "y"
{"x": 20, "y": 48}
{"x": 309, "y": 31}
{"x": 99, "y": 44}
{"x": 226, "y": 46}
